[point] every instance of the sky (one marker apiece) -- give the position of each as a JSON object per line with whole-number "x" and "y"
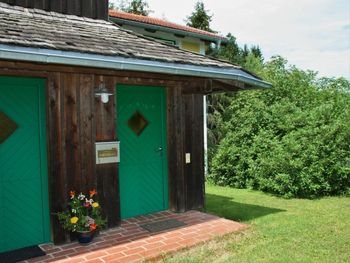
{"x": 311, "y": 34}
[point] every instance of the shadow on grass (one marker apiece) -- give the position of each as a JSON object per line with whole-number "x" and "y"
{"x": 225, "y": 207}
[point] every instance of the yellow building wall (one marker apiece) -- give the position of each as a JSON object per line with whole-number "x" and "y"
{"x": 190, "y": 46}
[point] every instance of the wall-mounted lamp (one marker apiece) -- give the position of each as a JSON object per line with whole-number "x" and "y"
{"x": 102, "y": 92}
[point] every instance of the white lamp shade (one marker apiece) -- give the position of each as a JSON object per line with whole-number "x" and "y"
{"x": 104, "y": 97}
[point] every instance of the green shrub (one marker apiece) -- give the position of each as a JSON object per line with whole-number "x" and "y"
{"x": 292, "y": 140}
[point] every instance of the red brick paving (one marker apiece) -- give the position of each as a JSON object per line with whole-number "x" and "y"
{"x": 132, "y": 243}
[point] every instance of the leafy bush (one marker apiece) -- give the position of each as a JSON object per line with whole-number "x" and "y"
{"x": 292, "y": 140}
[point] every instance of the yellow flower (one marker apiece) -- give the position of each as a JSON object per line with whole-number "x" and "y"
{"x": 74, "y": 220}
{"x": 94, "y": 205}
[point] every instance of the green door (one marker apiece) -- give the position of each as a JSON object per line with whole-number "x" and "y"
{"x": 141, "y": 131}
{"x": 24, "y": 213}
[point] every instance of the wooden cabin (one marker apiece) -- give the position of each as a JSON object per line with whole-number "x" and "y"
{"x": 85, "y": 104}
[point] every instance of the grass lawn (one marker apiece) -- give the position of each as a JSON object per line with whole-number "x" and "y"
{"x": 294, "y": 230}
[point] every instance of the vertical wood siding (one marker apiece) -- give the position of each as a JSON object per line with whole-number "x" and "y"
{"x": 194, "y": 144}
{"x": 176, "y": 146}
{"x": 76, "y": 120}
{"x": 185, "y": 135}
{"x": 107, "y": 175}
{"x": 97, "y": 9}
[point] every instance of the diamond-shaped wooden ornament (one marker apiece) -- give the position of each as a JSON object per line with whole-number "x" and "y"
{"x": 137, "y": 123}
{"x": 7, "y": 127}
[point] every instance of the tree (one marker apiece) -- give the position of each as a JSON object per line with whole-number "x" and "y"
{"x": 245, "y": 52}
{"x": 218, "y": 103}
{"x": 200, "y": 18}
{"x": 231, "y": 51}
{"x": 253, "y": 63}
{"x": 118, "y": 4}
{"x": 256, "y": 51}
{"x": 111, "y": 5}
{"x": 138, "y": 7}
{"x": 291, "y": 140}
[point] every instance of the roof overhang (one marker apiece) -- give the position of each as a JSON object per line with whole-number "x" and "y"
{"x": 203, "y": 37}
{"x": 40, "y": 55}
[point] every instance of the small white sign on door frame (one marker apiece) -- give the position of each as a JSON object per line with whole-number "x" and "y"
{"x": 107, "y": 152}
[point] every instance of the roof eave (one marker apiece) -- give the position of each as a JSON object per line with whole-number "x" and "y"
{"x": 11, "y": 52}
{"x": 118, "y": 20}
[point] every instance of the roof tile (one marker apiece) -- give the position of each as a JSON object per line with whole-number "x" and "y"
{"x": 41, "y": 29}
{"x": 161, "y": 22}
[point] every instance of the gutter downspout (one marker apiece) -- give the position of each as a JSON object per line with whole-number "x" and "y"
{"x": 205, "y": 121}
{"x": 218, "y": 44}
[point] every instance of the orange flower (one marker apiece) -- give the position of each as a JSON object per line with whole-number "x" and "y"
{"x": 93, "y": 227}
{"x": 92, "y": 193}
{"x": 72, "y": 194}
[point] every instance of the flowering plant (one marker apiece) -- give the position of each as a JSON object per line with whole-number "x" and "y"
{"x": 84, "y": 213}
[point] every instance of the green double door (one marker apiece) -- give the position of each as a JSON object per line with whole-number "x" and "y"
{"x": 24, "y": 212}
{"x": 141, "y": 129}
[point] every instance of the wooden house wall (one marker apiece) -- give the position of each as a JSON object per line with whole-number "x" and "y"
{"x": 76, "y": 120}
{"x": 186, "y": 135}
{"x": 97, "y": 9}
{"x": 194, "y": 143}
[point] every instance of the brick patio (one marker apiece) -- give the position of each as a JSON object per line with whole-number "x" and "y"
{"x": 131, "y": 243}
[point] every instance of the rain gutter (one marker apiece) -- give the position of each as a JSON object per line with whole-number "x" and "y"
{"x": 50, "y": 56}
